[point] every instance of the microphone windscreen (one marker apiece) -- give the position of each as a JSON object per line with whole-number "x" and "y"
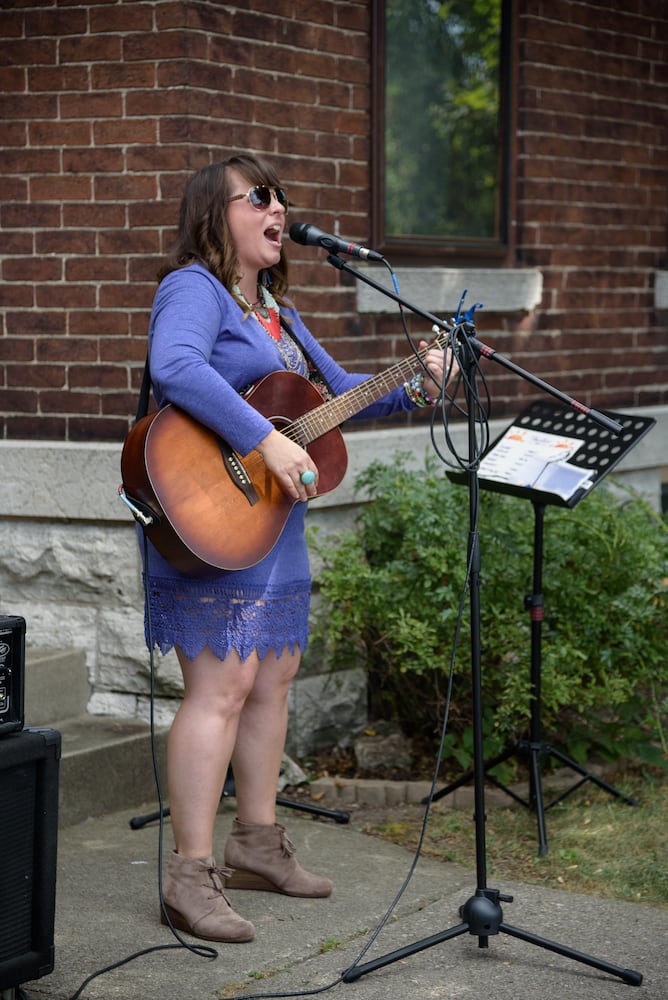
{"x": 299, "y": 232}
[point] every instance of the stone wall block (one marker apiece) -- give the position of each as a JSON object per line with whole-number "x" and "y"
{"x": 325, "y": 707}
{"x": 123, "y": 706}
{"x": 57, "y": 626}
{"x": 123, "y": 659}
{"x": 71, "y": 563}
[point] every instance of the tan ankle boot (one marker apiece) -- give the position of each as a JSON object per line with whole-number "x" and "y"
{"x": 195, "y": 901}
{"x": 262, "y": 857}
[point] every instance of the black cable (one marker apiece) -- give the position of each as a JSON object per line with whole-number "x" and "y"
{"x": 204, "y": 951}
{"x": 446, "y": 404}
{"x": 423, "y": 830}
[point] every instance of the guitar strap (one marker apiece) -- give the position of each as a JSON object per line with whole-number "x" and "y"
{"x": 315, "y": 375}
{"x": 144, "y": 393}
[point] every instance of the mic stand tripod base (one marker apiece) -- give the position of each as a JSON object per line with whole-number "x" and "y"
{"x": 483, "y": 913}
{"x": 229, "y": 791}
{"x": 483, "y": 917}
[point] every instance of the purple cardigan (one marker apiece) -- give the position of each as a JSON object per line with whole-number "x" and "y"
{"x": 202, "y": 354}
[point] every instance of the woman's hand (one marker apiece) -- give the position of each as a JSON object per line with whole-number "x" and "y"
{"x": 436, "y": 361}
{"x": 288, "y": 460}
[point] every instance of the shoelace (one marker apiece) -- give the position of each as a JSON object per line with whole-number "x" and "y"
{"x": 219, "y": 883}
{"x": 287, "y": 847}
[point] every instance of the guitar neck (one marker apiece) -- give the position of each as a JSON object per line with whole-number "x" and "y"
{"x": 319, "y": 421}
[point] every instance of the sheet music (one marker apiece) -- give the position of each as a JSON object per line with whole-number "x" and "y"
{"x": 537, "y": 461}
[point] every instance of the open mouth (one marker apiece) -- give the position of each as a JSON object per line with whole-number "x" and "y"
{"x": 273, "y": 234}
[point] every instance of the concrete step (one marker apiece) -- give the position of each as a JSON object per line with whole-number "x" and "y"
{"x": 106, "y": 763}
{"x": 107, "y": 766}
{"x": 56, "y": 685}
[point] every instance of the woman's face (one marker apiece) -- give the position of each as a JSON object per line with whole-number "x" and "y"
{"x": 257, "y": 232}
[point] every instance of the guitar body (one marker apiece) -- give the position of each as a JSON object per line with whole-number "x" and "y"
{"x": 214, "y": 509}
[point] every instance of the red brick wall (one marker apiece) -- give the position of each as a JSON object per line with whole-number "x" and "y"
{"x": 109, "y": 107}
{"x": 592, "y": 194}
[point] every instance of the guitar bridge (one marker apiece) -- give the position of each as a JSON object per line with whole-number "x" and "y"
{"x": 237, "y": 472}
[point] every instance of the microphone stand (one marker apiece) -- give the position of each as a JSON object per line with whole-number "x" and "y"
{"x": 481, "y": 915}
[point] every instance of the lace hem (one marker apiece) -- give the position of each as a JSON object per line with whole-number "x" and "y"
{"x": 227, "y": 618}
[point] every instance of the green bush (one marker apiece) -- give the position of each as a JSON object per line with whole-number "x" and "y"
{"x": 391, "y": 592}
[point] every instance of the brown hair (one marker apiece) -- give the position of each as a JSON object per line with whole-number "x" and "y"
{"x": 203, "y": 234}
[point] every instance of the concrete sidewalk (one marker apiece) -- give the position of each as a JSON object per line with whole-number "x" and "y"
{"x": 107, "y": 909}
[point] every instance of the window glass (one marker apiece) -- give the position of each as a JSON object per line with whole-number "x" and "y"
{"x": 442, "y": 174}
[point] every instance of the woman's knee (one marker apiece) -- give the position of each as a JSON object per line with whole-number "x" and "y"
{"x": 274, "y": 677}
{"x": 217, "y": 686}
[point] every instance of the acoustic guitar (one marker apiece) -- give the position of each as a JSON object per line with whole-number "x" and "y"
{"x": 206, "y": 508}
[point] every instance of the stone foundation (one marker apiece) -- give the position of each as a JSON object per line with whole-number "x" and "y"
{"x": 69, "y": 565}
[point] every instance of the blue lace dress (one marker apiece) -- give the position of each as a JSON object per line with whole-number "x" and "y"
{"x": 203, "y": 353}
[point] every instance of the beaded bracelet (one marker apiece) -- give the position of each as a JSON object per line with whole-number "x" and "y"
{"x": 416, "y": 391}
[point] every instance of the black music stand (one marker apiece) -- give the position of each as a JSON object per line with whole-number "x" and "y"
{"x": 599, "y": 452}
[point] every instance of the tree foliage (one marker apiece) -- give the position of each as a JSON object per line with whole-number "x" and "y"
{"x": 442, "y": 117}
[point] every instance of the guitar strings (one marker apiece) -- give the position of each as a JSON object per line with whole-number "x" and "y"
{"x": 331, "y": 414}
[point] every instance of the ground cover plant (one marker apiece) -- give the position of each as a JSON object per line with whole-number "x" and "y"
{"x": 389, "y": 596}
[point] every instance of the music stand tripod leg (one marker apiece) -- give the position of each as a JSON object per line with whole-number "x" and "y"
{"x": 469, "y": 775}
{"x": 586, "y": 776}
{"x": 537, "y": 797}
{"x": 137, "y": 822}
{"x": 535, "y": 748}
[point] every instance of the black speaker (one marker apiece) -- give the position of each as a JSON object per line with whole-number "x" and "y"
{"x": 12, "y": 673}
{"x": 29, "y": 764}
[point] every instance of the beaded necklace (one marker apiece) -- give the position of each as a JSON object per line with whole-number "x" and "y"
{"x": 266, "y": 312}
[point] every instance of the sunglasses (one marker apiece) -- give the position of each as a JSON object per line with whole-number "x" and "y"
{"x": 260, "y": 196}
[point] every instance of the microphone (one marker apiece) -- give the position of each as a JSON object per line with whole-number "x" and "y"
{"x": 311, "y": 236}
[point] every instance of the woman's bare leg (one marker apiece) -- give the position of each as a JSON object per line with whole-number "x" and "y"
{"x": 201, "y": 743}
{"x": 257, "y": 755}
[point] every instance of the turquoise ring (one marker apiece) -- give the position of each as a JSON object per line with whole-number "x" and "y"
{"x": 308, "y": 477}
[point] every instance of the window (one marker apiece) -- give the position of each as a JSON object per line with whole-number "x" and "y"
{"x": 441, "y": 127}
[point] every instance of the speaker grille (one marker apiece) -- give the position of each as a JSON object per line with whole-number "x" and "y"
{"x": 28, "y": 844}
{"x": 17, "y": 849}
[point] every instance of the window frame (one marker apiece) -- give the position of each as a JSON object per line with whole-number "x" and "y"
{"x": 429, "y": 249}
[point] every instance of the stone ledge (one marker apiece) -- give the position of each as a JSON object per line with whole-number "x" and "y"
{"x": 339, "y": 793}
{"x": 43, "y": 480}
{"x": 438, "y": 289}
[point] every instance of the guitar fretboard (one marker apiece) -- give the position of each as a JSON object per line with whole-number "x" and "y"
{"x": 319, "y": 421}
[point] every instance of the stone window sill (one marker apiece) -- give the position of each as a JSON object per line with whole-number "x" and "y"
{"x": 438, "y": 290}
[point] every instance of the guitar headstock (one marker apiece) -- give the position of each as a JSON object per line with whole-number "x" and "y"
{"x": 441, "y": 341}
{"x": 462, "y": 321}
